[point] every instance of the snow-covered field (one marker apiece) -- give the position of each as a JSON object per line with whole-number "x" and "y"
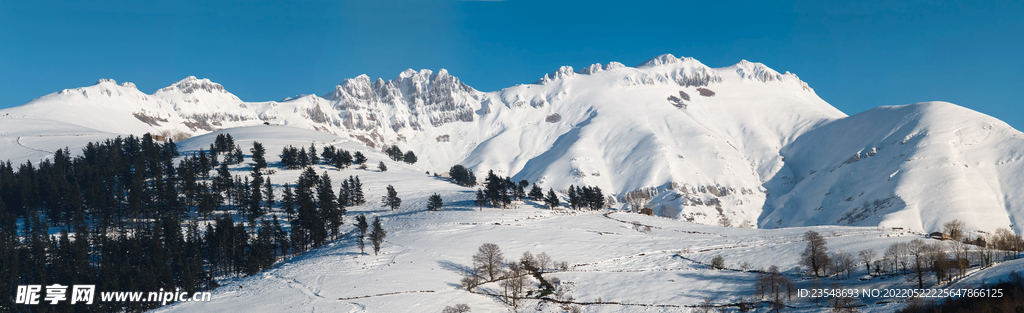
{"x": 662, "y": 265}
{"x": 743, "y": 142}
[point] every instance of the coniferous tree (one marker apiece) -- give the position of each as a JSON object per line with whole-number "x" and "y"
{"x": 303, "y": 158}
{"x": 258, "y": 156}
{"x": 328, "y": 205}
{"x": 238, "y": 156}
{"x": 288, "y": 201}
{"x": 313, "y": 158}
{"x": 357, "y": 196}
{"x": 461, "y": 176}
{"x": 394, "y": 153}
{"x": 494, "y": 186}
{"x": 345, "y": 194}
{"x": 573, "y": 197}
{"x": 391, "y": 199}
{"x": 481, "y": 199}
{"x": 344, "y": 159}
{"x": 256, "y": 197}
{"x": 268, "y": 195}
{"x": 359, "y": 158}
{"x": 362, "y": 226}
{"x": 409, "y": 157}
{"x": 435, "y": 202}
{"x": 377, "y": 235}
{"x": 552, "y": 199}
{"x": 536, "y": 193}
{"x": 382, "y": 167}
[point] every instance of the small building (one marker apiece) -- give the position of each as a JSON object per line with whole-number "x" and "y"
{"x": 951, "y": 264}
{"x": 938, "y": 235}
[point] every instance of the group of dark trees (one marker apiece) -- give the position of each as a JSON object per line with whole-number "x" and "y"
{"x": 296, "y": 158}
{"x": 462, "y": 176}
{"x": 397, "y": 155}
{"x": 132, "y": 219}
{"x": 500, "y": 192}
{"x": 585, "y": 197}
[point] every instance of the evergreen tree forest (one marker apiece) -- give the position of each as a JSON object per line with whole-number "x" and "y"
{"x": 134, "y": 215}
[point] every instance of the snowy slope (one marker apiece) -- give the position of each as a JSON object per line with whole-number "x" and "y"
{"x": 743, "y": 141}
{"x": 917, "y": 166}
{"x": 426, "y": 252}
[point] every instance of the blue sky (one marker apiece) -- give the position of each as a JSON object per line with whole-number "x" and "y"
{"x": 856, "y": 55}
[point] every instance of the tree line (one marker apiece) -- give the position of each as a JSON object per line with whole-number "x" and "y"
{"x": 133, "y": 219}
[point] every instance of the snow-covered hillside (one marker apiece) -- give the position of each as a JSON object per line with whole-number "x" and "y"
{"x": 615, "y": 261}
{"x": 743, "y": 141}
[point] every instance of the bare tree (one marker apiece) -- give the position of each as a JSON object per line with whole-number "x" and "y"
{"x": 774, "y": 286}
{"x": 954, "y": 228}
{"x": 528, "y": 261}
{"x": 487, "y": 261}
{"x": 815, "y": 255}
{"x": 843, "y": 263}
{"x": 515, "y": 283}
{"x": 939, "y": 262}
{"x": 543, "y": 260}
{"x": 892, "y": 254}
{"x": 637, "y": 199}
{"x": 919, "y": 254}
{"x": 458, "y": 308}
{"x": 725, "y": 221}
{"x": 718, "y": 262}
{"x": 960, "y": 252}
{"x": 867, "y": 256}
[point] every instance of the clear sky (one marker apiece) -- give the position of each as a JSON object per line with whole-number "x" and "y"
{"x": 856, "y": 55}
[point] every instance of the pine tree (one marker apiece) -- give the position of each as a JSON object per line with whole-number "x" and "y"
{"x": 313, "y": 158}
{"x": 268, "y": 194}
{"x": 303, "y": 158}
{"x": 394, "y": 153}
{"x": 481, "y": 199}
{"x": 573, "y": 197}
{"x": 552, "y": 199}
{"x": 461, "y": 176}
{"x": 238, "y": 156}
{"x": 377, "y": 235}
{"x": 256, "y": 197}
{"x": 409, "y": 157}
{"x": 434, "y": 203}
{"x": 362, "y": 226}
{"x": 288, "y": 201}
{"x": 382, "y": 167}
{"x": 391, "y": 199}
{"x": 258, "y": 156}
{"x": 359, "y": 158}
{"x": 344, "y": 196}
{"x": 328, "y": 205}
{"x": 357, "y": 198}
{"x": 536, "y": 193}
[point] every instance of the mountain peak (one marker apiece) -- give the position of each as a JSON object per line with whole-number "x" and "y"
{"x": 192, "y": 84}
{"x": 664, "y": 59}
{"x": 105, "y": 81}
{"x": 561, "y": 73}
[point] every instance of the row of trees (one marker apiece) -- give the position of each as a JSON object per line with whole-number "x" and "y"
{"x": 397, "y": 155}
{"x": 126, "y": 202}
{"x": 296, "y": 158}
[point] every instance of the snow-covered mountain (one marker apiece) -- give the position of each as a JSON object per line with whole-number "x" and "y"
{"x": 743, "y": 141}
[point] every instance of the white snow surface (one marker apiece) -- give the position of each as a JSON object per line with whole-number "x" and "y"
{"x": 660, "y": 266}
{"x": 764, "y": 146}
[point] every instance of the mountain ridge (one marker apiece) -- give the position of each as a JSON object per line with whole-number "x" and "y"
{"x": 736, "y": 141}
